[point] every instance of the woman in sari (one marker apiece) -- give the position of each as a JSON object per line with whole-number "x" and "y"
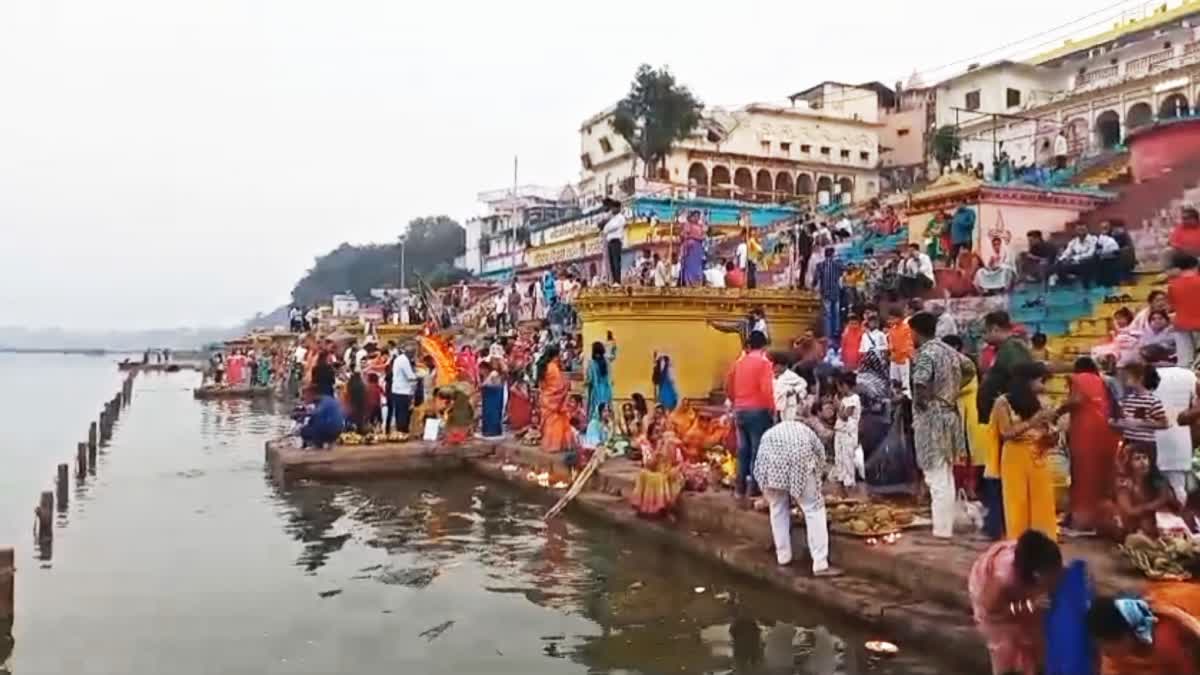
{"x": 1141, "y": 494}
{"x": 554, "y": 403}
{"x": 998, "y": 272}
{"x": 598, "y": 379}
{"x": 1024, "y": 423}
{"x": 664, "y": 382}
{"x": 468, "y": 365}
{"x": 1006, "y": 585}
{"x": 1092, "y": 442}
{"x": 660, "y": 480}
{"x": 691, "y": 268}
{"x": 1155, "y": 633}
{"x": 1159, "y": 332}
{"x": 235, "y": 369}
{"x": 599, "y": 429}
{"x": 458, "y": 415}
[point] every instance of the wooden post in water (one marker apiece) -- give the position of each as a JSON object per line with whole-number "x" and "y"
{"x": 92, "y": 438}
{"x": 8, "y": 573}
{"x": 63, "y": 486}
{"x": 81, "y": 460}
{"x": 115, "y": 406}
{"x": 91, "y": 458}
{"x": 45, "y": 516}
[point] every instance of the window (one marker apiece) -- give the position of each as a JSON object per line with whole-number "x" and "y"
{"x": 1167, "y": 44}
{"x": 902, "y": 132}
{"x": 605, "y": 145}
{"x": 825, "y": 150}
{"x": 864, "y": 156}
{"x": 587, "y": 160}
{"x": 972, "y": 100}
{"x": 766, "y": 146}
{"x": 1012, "y": 97}
{"x": 845, "y": 154}
{"x": 785, "y": 146}
{"x": 805, "y": 148}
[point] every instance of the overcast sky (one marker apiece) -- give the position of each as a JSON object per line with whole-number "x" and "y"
{"x": 167, "y": 163}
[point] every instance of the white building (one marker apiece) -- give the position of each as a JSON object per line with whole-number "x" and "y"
{"x": 825, "y": 140}
{"x": 345, "y": 305}
{"x": 496, "y": 241}
{"x": 1094, "y": 89}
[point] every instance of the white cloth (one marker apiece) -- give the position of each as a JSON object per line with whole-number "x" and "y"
{"x": 742, "y": 257}
{"x": 873, "y": 341}
{"x": 924, "y": 266}
{"x": 816, "y": 527}
{"x": 715, "y": 276}
{"x": 1079, "y": 249}
{"x": 790, "y": 392}
{"x": 900, "y": 372}
{"x": 941, "y": 497}
{"x": 1177, "y": 391}
{"x": 299, "y": 354}
{"x": 760, "y": 326}
{"x": 946, "y": 325}
{"x": 1107, "y": 244}
{"x": 845, "y": 442}
{"x": 614, "y": 228}
{"x": 660, "y": 275}
{"x": 403, "y": 377}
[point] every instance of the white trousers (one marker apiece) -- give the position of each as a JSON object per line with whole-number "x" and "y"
{"x": 1178, "y": 482}
{"x": 941, "y": 496}
{"x": 900, "y": 372}
{"x": 815, "y": 526}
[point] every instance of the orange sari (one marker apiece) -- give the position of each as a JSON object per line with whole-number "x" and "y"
{"x": 1093, "y": 449}
{"x": 1176, "y": 635}
{"x": 557, "y": 433}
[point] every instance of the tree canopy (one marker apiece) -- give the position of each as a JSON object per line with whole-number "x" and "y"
{"x": 431, "y": 244}
{"x": 945, "y": 145}
{"x": 655, "y": 114}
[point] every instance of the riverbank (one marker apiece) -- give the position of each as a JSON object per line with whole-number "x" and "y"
{"x": 913, "y": 592}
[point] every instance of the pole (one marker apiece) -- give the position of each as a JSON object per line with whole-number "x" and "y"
{"x": 45, "y": 516}
{"x": 8, "y": 572}
{"x": 81, "y": 460}
{"x": 62, "y": 487}
{"x": 92, "y": 437}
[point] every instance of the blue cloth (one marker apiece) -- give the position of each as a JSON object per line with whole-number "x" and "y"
{"x": 751, "y": 425}
{"x": 962, "y": 226}
{"x": 599, "y": 387}
{"x": 549, "y": 292}
{"x": 492, "y": 402}
{"x": 1137, "y": 614}
{"x": 326, "y": 419}
{"x": 831, "y": 317}
{"x": 596, "y": 435}
{"x": 992, "y": 496}
{"x": 666, "y": 394}
{"x": 1068, "y": 644}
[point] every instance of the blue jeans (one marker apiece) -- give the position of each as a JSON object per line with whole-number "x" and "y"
{"x": 831, "y": 317}
{"x": 752, "y": 424}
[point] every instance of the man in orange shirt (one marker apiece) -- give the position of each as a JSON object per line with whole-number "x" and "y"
{"x": 1185, "y": 237}
{"x": 901, "y": 348}
{"x": 1183, "y": 292}
{"x": 750, "y": 389}
{"x": 852, "y": 341}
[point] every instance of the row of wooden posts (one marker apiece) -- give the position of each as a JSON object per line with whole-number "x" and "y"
{"x": 99, "y": 433}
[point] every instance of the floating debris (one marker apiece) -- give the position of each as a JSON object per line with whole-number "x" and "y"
{"x": 700, "y": 589}
{"x": 882, "y": 647}
{"x": 635, "y": 585}
{"x": 434, "y": 633}
{"x": 330, "y": 594}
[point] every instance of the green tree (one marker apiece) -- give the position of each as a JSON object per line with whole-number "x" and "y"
{"x": 430, "y": 243}
{"x": 655, "y": 114}
{"x": 946, "y": 145}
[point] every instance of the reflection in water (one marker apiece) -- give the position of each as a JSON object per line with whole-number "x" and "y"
{"x": 184, "y": 557}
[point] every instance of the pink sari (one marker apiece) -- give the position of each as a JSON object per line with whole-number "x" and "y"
{"x": 233, "y": 370}
{"x": 1013, "y": 639}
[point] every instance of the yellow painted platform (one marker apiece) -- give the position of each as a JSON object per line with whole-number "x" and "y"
{"x": 682, "y": 322}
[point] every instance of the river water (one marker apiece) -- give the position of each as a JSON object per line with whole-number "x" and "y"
{"x": 180, "y": 556}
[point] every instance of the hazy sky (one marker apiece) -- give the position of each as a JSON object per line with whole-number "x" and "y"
{"x": 170, "y": 163}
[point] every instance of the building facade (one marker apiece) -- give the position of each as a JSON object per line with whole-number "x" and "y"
{"x": 1100, "y": 88}
{"x": 822, "y": 146}
{"x": 496, "y": 241}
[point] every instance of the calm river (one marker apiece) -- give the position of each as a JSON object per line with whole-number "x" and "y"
{"x": 180, "y": 557}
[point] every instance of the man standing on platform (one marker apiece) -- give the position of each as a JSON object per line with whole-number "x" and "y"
{"x": 829, "y": 283}
{"x": 613, "y": 232}
{"x": 750, "y": 388}
{"x": 400, "y": 398}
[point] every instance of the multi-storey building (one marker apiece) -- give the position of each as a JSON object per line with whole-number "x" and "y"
{"x": 1095, "y": 90}
{"x": 496, "y": 241}
{"x": 823, "y": 144}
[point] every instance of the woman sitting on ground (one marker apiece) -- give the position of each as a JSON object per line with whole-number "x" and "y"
{"x": 1155, "y": 633}
{"x": 1141, "y": 493}
{"x": 998, "y": 272}
{"x": 1006, "y": 585}
{"x": 660, "y": 480}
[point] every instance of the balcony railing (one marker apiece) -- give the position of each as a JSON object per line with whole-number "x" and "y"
{"x": 1097, "y": 77}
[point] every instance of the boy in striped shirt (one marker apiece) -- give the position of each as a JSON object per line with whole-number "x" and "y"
{"x": 1142, "y": 413}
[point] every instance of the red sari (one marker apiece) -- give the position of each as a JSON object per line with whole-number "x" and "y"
{"x": 557, "y": 433}
{"x": 1093, "y": 446}
{"x": 1176, "y": 636}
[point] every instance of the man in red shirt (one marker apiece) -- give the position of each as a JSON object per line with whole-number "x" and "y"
{"x": 750, "y": 388}
{"x": 1185, "y": 237}
{"x": 1183, "y": 292}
